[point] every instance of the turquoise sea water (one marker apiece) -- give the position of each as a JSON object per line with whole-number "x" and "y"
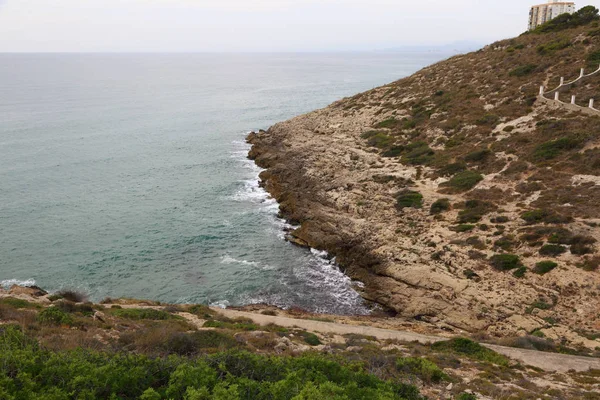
{"x": 126, "y": 175}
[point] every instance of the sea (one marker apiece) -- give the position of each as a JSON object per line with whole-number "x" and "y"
{"x": 126, "y": 175}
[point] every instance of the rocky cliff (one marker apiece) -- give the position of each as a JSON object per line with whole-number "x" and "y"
{"x": 456, "y": 195}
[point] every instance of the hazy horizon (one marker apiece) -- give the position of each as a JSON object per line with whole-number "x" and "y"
{"x": 261, "y": 26}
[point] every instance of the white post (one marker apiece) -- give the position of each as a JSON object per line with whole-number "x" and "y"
{"x": 591, "y": 103}
{"x": 562, "y": 80}
{"x": 573, "y": 99}
{"x": 556, "y": 94}
{"x": 542, "y": 90}
{"x": 582, "y": 72}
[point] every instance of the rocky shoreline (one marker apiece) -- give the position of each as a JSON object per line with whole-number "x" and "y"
{"x": 340, "y": 173}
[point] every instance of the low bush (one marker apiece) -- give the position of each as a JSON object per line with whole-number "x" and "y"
{"x": 474, "y": 211}
{"x": 567, "y": 21}
{"x": 311, "y": 339}
{"x": 378, "y": 139}
{"x": 590, "y": 264}
{"x": 505, "y": 262}
{"x": 464, "y": 181}
{"x": 72, "y": 296}
{"x": 426, "y": 370}
{"x": 523, "y": 70}
{"x": 462, "y": 228}
{"x": 543, "y": 267}
{"x": 472, "y": 350}
{"x": 552, "y": 250}
{"x": 478, "y": 155}
{"x": 552, "y": 47}
{"x": 520, "y": 272}
{"x": 581, "y": 249}
{"x": 554, "y": 148}
{"x": 418, "y": 153}
{"x": 409, "y": 198}
{"x": 439, "y": 206}
{"x": 54, "y": 316}
{"x": 452, "y": 169}
{"x": 545, "y": 216}
{"x": 142, "y": 313}
{"x": 29, "y": 371}
{"x": 388, "y": 123}
{"x": 593, "y": 59}
{"x": 505, "y": 243}
{"x": 488, "y": 120}
{"x": 17, "y": 303}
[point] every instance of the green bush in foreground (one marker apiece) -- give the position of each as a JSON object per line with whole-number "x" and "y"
{"x": 471, "y": 349}
{"x": 28, "y": 371}
{"x": 426, "y": 370}
{"x": 54, "y": 316}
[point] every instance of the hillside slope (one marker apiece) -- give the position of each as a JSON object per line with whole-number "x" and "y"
{"x": 456, "y": 195}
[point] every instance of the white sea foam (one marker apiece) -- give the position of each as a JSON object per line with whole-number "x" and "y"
{"x": 220, "y": 304}
{"x": 7, "y": 283}
{"x": 230, "y": 260}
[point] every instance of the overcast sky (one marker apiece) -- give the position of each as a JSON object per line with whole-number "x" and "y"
{"x": 253, "y": 25}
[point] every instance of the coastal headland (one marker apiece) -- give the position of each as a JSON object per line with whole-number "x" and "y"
{"x": 457, "y": 195}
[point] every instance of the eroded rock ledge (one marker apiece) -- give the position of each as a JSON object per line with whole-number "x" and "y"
{"x": 338, "y": 173}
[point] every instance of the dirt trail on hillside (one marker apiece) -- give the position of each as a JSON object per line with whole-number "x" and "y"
{"x": 546, "y": 361}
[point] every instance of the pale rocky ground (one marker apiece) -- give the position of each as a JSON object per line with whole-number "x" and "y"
{"x": 322, "y": 172}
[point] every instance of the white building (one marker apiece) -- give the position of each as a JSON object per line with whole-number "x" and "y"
{"x": 545, "y": 12}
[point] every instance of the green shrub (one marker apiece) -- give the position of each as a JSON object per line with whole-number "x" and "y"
{"x": 462, "y": 228}
{"x": 466, "y": 396}
{"x": 388, "y": 123}
{"x": 505, "y": 262}
{"x": 478, "y": 155}
{"x": 238, "y": 326}
{"x": 552, "y": 250}
{"x": 464, "y": 181}
{"x": 488, "y": 120}
{"x": 590, "y": 264}
{"x": 17, "y": 303}
{"x": 554, "y": 46}
{"x": 421, "y": 367}
{"x": 543, "y": 267}
{"x": 311, "y": 339}
{"x": 567, "y": 21}
{"x": 418, "y": 153}
{"x": 553, "y": 148}
{"x": 520, "y": 272}
{"x": 523, "y": 70}
{"x": 439, "y": 206}
{"x": 474, "y": 211}
{"x": 54, "y": 316}
{"x": 394, "y": 151}
{"x": 593, "y": 59}
{"x": 409, "y": 198}
{"x": 472, "y": 350}
{"x": 453, "y": 169}
{"x": 29, "y": 371}
{"x": 379, "y": 140}
{"x": 505, "y": 243}
{"x": 545, "y": 216}
{"x": 142, "y": 313}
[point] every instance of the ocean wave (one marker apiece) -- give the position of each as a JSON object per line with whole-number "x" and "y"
{"x": 7, "y": 283}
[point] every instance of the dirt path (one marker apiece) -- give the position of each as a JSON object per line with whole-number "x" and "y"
{"x": 546, "y": 361}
